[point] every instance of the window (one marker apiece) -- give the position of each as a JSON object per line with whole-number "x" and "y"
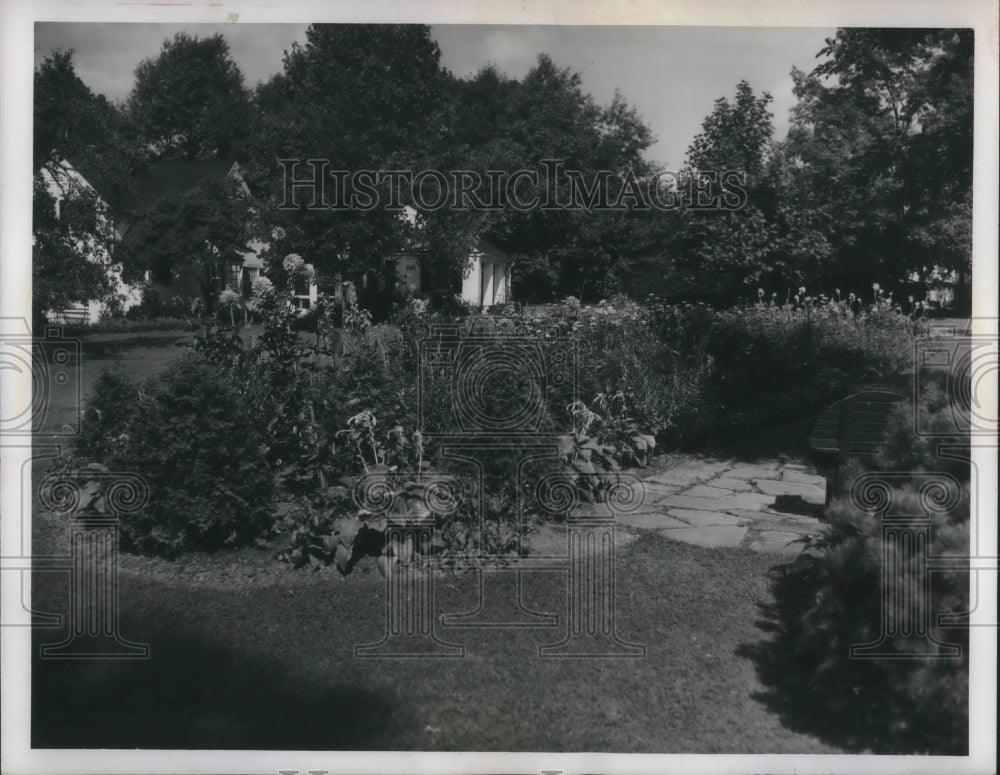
{"x": 250, "y": 274}
{"x": 233, "y": 276}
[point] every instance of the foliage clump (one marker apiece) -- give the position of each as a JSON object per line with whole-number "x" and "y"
{"x": 832, "y": 596}
{"x": 189, "y": 436}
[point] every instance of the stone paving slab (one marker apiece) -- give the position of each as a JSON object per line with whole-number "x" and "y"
{"x": 803, "y": 478}
{"x": 752, "y": 501}
{"x": 650, "y": 521}
{"x": 717, "y": 504}
{"x": 798, "y": 467}
{"x": 753, "y": 470}
{"x": 808, "y": 492}
{"x": 697, "y": 518}
{"x": 776, "y": 542}
{"x": 790, "y": 527}
{"x": 724, "y": 482}
{"x": 688, "y": 474}
{"x": 712, "y": 537}
{"x": 708, "y": 491}
{"x": 655, "y": 490}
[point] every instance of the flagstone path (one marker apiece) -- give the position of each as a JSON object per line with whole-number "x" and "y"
{"x": 764, "y": 506}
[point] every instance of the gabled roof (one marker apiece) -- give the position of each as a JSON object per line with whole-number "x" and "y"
{"x": 483, "y": 247}
{"x": 173, "y": 178}
{"x": 491, "y": 251}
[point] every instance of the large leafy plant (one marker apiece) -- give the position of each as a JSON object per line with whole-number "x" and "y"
{"x": 353, "y": 517}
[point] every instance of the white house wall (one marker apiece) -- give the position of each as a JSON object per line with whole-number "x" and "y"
{"x": 65, "y": 181}
{"x": 472, "y": 282}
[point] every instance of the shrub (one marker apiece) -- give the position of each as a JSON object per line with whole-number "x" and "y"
{"x": 745, "y": 368}
{"x": 112, "y": 405}
{"x": 203, "y": 458}
{"x": 156, "y": 304}
{"x": 905, "y": 450}
{"x": 831, "y": 599}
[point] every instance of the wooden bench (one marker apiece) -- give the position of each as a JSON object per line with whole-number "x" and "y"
{"x": 852, "y": 427}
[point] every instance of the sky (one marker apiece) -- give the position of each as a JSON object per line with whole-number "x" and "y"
{"x": 671, "y": 75}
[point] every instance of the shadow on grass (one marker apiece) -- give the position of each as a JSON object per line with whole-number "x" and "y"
{"x": 817, "y": 690}
{"x": 195, "y": 694}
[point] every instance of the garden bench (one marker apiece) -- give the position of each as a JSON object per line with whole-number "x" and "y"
{"x": 852, "y": 427}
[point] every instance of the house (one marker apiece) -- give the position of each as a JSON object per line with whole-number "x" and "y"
{"x": 63, "y": 181}
{"x": 485, "y": 282}
{"x": 238, "y": 269}
{"x": 165, "y": 179}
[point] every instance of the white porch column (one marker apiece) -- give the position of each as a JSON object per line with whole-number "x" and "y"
{"x": 500, "y": 283}
{"x": 471, "y": 287}
{"x": 487, "y": 296}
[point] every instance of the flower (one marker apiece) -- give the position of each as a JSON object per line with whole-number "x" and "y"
{"x": 229, "y": 298}
{"x": 293, "y": 263}
{"x": 876, "y": 287}
{"x": 262, "y": 287}
{"x": 277, "y": 233}
{"x": 802, "y": 290}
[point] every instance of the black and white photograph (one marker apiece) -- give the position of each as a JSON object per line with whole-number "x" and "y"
{"x": 499, "y": 390}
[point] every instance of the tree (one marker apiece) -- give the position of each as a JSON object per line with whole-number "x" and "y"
{"x": 189, "y": 101}
{"x": 547, "y": 118}
{"x": 366, "y": 97}
{"x": 191, "y": 237}
{"x": 72, "y": 247}
{"x": 84, "y": 165}
{"x": 735, "y": 135}
{"x": 723, "y": 248}
{"x": 882, "y": 141}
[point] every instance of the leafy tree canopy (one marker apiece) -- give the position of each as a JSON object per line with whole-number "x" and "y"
{"x": 189, "y": 101}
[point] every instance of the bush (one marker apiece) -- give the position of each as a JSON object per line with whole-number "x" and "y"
{"x": 203, "y": 458}
{"x": 113, "y": 403}
{"x": 904, "y": 450}
{"x": 156, "y": 304}
{"x": 831, "y": 598}
{"x": 746, "y": 368}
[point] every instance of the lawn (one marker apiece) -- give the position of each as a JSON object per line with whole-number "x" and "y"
{"x": 141, "y": 354}
{"x": 246, "y": 653}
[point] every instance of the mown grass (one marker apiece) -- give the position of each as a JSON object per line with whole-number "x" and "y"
{"x": 242, "y": 660}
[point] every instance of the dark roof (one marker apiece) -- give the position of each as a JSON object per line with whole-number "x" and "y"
{"x": 490, "y": 250}
{"x": 160, "y": 179}
{"x": 171, "y": 178}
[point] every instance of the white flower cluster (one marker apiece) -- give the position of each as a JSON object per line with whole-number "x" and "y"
{"x": 293, "y": 264}
{"x": 262, "y": 287}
